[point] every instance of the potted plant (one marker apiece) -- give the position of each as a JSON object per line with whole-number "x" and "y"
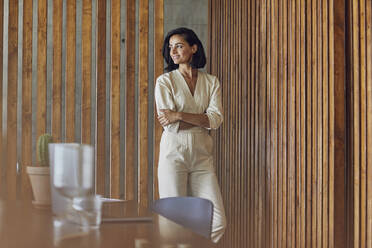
{"x": 40, "y": 174}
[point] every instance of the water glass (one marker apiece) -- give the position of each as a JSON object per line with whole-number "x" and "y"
{"x": 87, "y": 210}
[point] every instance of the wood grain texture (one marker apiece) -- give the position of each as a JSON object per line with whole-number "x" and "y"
{"x": 41, "y": 68}
{"x": 158, "y": 70}
{"x": 70, "y": 81}
{"x": 2, "y": 145}
{"x": 115, "y": 100}
{"x": 356, "y": 122}
{"x": 86, "y": 108}
{"x": 143, "y": 78}
{"x": 130, "y": 101}
{"x": 11, "y": 123}
{"x": 26, "y": 99}
{"x": 369, "y": 121}
{"x": 101, "y": 97}
{"x": 277, "y": 140}
{"x": 333, "y": 104}
{"x": 359, "y": 175}
{"x": 57, "y": 72}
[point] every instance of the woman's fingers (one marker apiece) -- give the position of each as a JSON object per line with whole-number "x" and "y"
{"x": 163, "y": 120}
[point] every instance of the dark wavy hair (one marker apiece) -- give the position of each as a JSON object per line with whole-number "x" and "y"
{"x": 198, "y": 59}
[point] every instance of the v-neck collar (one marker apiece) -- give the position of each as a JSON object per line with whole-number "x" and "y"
{"x": 186, "y": 86}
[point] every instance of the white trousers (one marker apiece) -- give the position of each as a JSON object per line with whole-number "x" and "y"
{"x": 186, "y": 169}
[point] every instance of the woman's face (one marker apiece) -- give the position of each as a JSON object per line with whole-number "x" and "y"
{"x": 180, "y": 51}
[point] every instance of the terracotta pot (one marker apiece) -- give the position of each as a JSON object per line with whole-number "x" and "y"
{"x": 40, "y": 182}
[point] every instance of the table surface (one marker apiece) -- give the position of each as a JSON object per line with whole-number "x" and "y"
{"x": 22, "y": 225}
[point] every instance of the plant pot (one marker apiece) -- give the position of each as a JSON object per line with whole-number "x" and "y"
{"x": 40, "y": 183}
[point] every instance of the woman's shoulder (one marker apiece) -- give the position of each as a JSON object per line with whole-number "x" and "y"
{"x": 212, "y": 79}
{"x": 166, "y": 77}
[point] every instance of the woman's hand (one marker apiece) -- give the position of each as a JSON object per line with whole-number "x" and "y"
{"x": 167, "y": 116}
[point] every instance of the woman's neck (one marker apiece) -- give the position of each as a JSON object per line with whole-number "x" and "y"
{"x": 187, "y": 70}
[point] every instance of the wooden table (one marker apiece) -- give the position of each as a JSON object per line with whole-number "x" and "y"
{"x": 22, "y": 225}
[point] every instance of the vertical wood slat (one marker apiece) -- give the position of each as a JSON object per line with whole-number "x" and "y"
{"x": 303, "y": 144}
{"x": 224, "y": 178}
{"x": 158, "y": 70}
{"x": 284, "y": 80}
{"x": 325, "y": 141}
{"x": 339, "y": 127}
{"x": 280, "y": 127}
{"x": 26, "y": 98}
{"x": 232, "y": 105}
{"x": 255, "y": 125}
{"x": 57, "y": 72}
{"x": 356, "y": 123}
{"x": 299, "y": 227}
{"x": 308, "y": 129}
{"x": 11, "y": 137}
{"x": 130, "y": 96}
{"x": 274, "y": 119}
{"x": 362, "y": 127}
{"x": 143, "y": 103}
{"x": 86, "y": 109}
{"x": 314, "y": 126}
{"x": 41, "y": 68}
{"x": 332, "y": 130}
{"x": 244, "y": 150}
{"x": 319, "y": 132}
{"x": 2, "y": 145}
{"x": 101, "y": 97}
{"x": 115, "y": 100}
{"x": 369, "y": 122}
{"x": 298, "y": 124}
{"x": 70, "y": 70}
{"x": 292, "y": 105}
{"x": 359, "y": 72}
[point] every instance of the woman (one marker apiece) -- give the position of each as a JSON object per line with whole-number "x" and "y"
{"x": 189, "y": 104}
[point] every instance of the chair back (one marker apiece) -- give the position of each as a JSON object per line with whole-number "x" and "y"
{"x": 191, "y": 212}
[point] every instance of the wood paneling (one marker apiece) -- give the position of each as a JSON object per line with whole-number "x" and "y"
{"x": 337, "y": 18}
{"x": 2, "y": 145}
{"x": 158, "y": 70}
{"x": 66, "y": 93}
{"x": 115, "y": 100}
{"x": 57, "y": 72}
{"x": 359, "y": 105}
{"x": 275, "y": 152}
{"x": 86, "y": 109}
{"x": 11, "y": 123}
{"x": 130, "y": 39}
{"x": 70, "y": 70}
{"x": 26, "y": 97}
{"x": 101, "y": 97}
{"x": 41, "y": 67}
{"x": 143, "y": 103}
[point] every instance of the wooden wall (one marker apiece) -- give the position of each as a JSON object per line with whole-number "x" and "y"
{"x": 359, "y": 88}
{"x": 91, "y": 101}
{"x": 280, "y": 154}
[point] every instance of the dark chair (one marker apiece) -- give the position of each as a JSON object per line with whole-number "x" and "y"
{"x": 191, "y": 212}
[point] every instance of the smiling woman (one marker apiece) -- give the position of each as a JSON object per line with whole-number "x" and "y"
{"x": 188, "y": 103}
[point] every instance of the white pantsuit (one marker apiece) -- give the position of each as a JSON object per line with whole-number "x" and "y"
{"x": 185, "y": 159}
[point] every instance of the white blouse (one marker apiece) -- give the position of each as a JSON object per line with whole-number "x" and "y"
{"x": 172, "y": 92}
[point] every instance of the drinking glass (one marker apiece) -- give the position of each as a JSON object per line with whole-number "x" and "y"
{"x": 73, "y": 177}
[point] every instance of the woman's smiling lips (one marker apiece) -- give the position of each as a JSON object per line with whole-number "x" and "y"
{"x": 175, "y": 57}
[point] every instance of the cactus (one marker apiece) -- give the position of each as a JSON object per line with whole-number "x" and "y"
{"x": 42, "y": 151}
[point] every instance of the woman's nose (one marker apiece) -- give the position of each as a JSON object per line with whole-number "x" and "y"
{"x": 173, "y": 50}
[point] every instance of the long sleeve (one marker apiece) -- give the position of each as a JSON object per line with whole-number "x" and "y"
{"x": 214, "y": 110}
{"x": 164, "y": 100}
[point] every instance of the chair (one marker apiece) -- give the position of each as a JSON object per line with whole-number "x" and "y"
{"x": 191, "y": 212}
